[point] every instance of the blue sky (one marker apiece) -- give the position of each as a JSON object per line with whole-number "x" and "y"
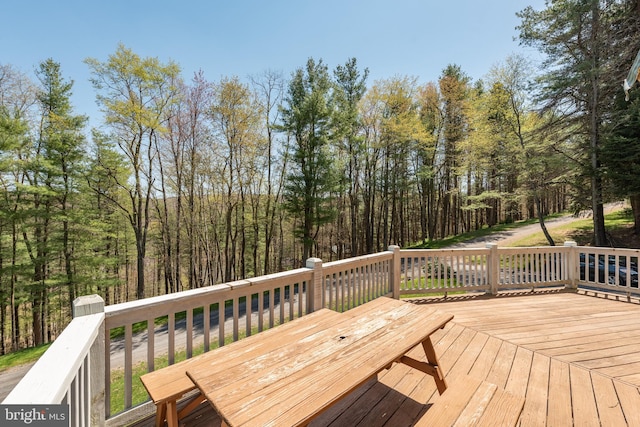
{"x": 242, "y": 37}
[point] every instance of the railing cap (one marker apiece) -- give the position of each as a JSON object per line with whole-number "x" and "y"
{"x": 312, "y": 262}
{"x": 88, "y": 304}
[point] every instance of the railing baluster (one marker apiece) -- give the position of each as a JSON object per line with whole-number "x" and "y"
{"x": 128, "y": 362}
{"x": 221, "y": 322}
{"x": 189, "y": 333}
{"x": 151, "y": 337}
{"x": 206, "y": 326}
{"x": 249, "y": 307}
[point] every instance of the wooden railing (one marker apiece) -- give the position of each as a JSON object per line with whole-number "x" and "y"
{"x": 610, "y": 270}
{"x": 140, "y": 336}
{"x": 351, "y": 282}
{"x": 71, "y": 370}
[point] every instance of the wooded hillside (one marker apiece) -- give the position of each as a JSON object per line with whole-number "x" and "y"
{"x": 192, "y": 182}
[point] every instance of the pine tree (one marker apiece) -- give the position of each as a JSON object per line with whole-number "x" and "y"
{"x": 576, "y": 39}
{"x": 306, "y": 118}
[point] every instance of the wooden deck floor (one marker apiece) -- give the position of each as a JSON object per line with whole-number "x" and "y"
{"x": 575, "y": 358}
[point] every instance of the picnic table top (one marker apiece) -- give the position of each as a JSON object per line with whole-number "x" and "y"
{"x": 290, "y": 376}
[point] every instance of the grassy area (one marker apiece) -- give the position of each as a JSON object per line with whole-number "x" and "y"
{"x": 619, "y": 225}
{"x": 444, "y": 285}
{"x": 22, "y": 357}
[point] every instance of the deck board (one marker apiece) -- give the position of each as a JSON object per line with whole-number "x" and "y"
{"x": 574, "y": 358}
{"x": 559, "y": 405}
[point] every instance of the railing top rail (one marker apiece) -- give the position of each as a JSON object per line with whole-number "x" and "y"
{"x": 148, "y": 308}
{"x": 177, "y": 297}
{"x": 380, "y": 256}
{"x": 195, "y": 295}
{"x": 335, "y": 267}
{"x": 404, "y": 252}
{"x": 600, "y": 250}
{"x": 536, "y": 249}
{"x": 49, "y": 379}
{"x": 284, "y": 276}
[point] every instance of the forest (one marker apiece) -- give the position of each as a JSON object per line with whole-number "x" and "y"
{"x": 191, "y": 183}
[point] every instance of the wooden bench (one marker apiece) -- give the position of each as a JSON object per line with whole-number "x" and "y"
{"x": 168, "y": 385}
{"x": 472, "y": 402}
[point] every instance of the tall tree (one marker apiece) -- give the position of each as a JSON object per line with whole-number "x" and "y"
{"x": 431, "y": 116}
{"x": 454, "y": 91}
{"x": 64, "y": 150}
{"x": 351, "y": 86}
{"x": 269, "y": 88}
{"x": 235, "y": 116}
{"x": 306, "y": 118}
{"x": 575, "y": 41}
{"x": 508, "y": 112}
{"x": 621, "y": 148}
{"x": 401, "y": 130}
{"x": 106, "y": 168}
{"x": 135, "y": 93}
{"x": 17, "y": 96}
{"x": 51, "y": 183}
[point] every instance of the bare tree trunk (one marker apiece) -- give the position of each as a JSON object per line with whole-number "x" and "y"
{"x": 541, "y": 221}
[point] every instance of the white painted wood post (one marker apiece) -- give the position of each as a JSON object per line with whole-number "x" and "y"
{"x": 572, "y": 263}
{"x": 83, "y": 306}
{"x": 315, "y": 290}
{"x": 493, "y": 268}
{"x": 395, "y": 271}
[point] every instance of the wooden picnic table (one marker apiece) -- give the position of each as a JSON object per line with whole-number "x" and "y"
{"x": 290, "y": 383}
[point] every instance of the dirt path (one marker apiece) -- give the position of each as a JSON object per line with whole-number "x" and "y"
{"x": 506, "y": 238}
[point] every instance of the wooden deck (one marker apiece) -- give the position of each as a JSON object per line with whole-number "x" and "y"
{"x": 575, "y": 358}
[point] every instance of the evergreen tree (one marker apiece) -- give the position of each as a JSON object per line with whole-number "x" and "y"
{"x": 576, "y": 38}
{"x": 306, "y": 118}
{"x": 621, "y": 148}
{"x": 64, "y": 150}
{"x": 350, "y": 88}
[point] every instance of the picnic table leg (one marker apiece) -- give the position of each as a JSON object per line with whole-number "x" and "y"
{"x": 193, "y": 404}
{"x": 431, "y": 366}
{"x": 432, "y": 359}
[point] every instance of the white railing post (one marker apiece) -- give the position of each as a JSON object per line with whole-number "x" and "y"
{"x": 315, "y": 290}
{"x": 395, "y": 271}
{"x": 83, "y": 306}
{"x": 572, "y": 263}
{"x": 493, "y": 268}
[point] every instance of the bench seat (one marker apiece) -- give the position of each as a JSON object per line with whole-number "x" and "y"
{"x": 472, "y": 402}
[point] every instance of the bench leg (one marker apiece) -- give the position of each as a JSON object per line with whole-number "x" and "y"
{"x": 172, "y": 413}
{"x": 432, "y": 359}
{"x": 161, "y": 413}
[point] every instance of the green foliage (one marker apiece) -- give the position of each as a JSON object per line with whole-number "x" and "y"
{"x": 585, "y": 43}
{"x": 311, "y": 182}
{"x": 621, "y": 148}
